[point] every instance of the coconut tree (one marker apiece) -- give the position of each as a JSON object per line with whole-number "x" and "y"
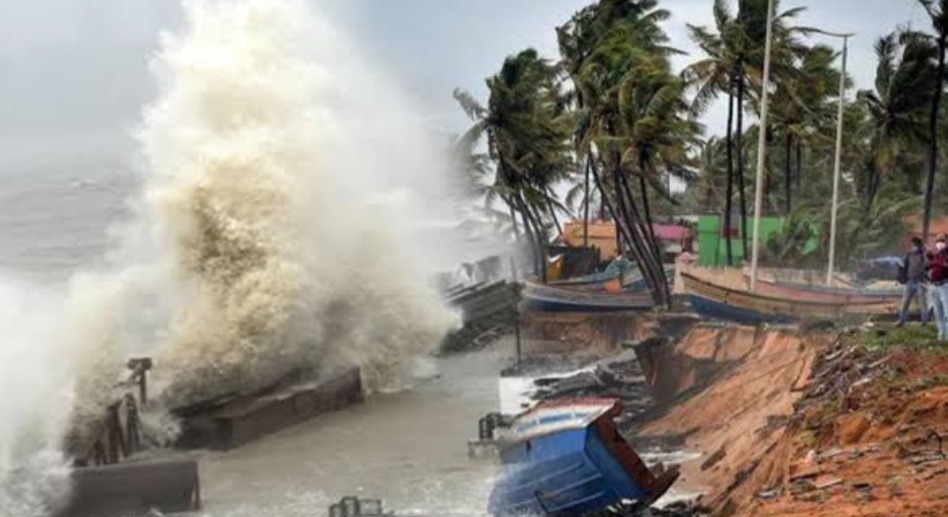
{"x": 655, "y": 133}
{"x": 710, "y": 161}
{"x": 894, "y": 124}
{"x": 803, "y": 111}
{"x": 599, "y": 46}
{"x": 527, "y": 141}
{"x": 579, "y": 40}
{"x": 733, "y": 66}
{"x": 938, "y": 12}
{"x": 712, "y": 76}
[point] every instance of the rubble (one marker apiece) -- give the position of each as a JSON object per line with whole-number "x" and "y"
{"x": 865, "y": 437}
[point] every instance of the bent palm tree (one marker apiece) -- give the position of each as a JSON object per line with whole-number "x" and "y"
{"x": 527, "y": 140}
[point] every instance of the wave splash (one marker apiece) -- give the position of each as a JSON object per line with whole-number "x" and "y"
{"x": 272, "y": 237}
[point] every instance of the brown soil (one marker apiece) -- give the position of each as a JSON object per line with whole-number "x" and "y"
{"x": 561, "y": 333}
{"x": 821, "y": 427}
{"x": 741, "y": 412}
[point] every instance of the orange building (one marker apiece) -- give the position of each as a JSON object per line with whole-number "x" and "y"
{"x": 602, "y": 235}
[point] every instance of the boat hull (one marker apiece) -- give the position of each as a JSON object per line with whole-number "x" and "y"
{"x": 719, "y": 302}
{"x": 555, "y": 299}
{"x": 569, "y": 470}
{"x": 825, "y": 295}
{"x": 633, "y": 282}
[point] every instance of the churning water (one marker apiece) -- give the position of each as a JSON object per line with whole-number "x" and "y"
{"x": 272, "y": 232}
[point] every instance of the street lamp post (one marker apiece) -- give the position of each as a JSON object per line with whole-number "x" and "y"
{"x": 762, "y": 146}
{"x": 839, "y": 151}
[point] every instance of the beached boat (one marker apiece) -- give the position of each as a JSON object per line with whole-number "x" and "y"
{"x": 734, "y": 304}
{"x": 557, "y": 299}
{"x": 566, "y": 458}
{"x": 810, "y": 286}
{"x": 631, "y": 282}
{"x": 822, "y": 293}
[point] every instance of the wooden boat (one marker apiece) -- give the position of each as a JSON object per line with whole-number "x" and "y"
{"x": 631, "y": 282}
{"x": 588, "y": 280}
{"x": 809, "y": 285}
{"x": 557, "y": 299}
{"x": 726, "y": 303}
{"x": 818, "y": 293}
{"x": 567, "y": 458}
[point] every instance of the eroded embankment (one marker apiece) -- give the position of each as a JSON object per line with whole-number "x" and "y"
{"x": 734, "y": 388}
{"x": 803, "y": 424}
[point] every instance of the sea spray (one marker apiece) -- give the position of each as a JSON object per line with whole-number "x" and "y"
{"x": 36, "y": 382}
{"x": 271, "y": 237}
{"x": 288, "y": 262}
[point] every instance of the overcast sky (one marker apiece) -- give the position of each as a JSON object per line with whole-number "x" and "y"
{"x": 75, "y": 72}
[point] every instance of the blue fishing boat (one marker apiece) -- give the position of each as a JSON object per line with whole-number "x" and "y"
{"x": 557, "y": 299}
{"x": 566, "y": 458}
{"x": 632, "y": 281}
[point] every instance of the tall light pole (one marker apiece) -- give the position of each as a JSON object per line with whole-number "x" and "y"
{"x": 762, "y": 145}
{"x": 839, "y": 153}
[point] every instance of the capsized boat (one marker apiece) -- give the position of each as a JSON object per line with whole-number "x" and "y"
{"x": 557, "y": 299}
{"x": 566, "y": 458}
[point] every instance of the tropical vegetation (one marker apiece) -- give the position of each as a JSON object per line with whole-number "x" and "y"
{"x": 610, "y": 129}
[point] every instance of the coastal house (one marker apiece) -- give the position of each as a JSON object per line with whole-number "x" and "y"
{"x": 602, "y": 235}
{"x": 713, "y": 237}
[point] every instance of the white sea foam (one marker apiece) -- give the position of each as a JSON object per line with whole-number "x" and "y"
{"x": 281, "y": 174}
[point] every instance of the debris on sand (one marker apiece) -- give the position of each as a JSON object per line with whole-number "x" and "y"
{"x": 864, "y": 438}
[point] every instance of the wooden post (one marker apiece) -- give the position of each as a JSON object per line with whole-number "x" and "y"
{"x": 140, "y": 369}
{"x": 517, "y": 333}
{"x": 515, "y": 294}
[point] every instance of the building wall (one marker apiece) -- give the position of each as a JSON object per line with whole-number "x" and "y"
{"x": 712, "y": 246}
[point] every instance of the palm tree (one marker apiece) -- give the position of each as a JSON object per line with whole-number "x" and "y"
{"x": 579, "y": 40}
{"x": 712, "y": 169}
{"x": 527, "y": 140}
{"x": 654, "y": 130}
{"x": 709, "y": 78}
{"x": 938, "y": 12}
{"x": 600, "y": 45}
{"x": 803, "y": 111}
{"x": 733, "y": 66}
{"x": 894, "y": 111}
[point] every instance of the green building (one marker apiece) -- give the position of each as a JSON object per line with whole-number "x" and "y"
{"x": 712, "y": 239}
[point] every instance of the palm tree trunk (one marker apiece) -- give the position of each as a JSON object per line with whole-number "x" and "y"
{"x": 799, "y": 174}
{"x": 528, "y": 230}
{"x": 535, "y": 234}
{"x": 933, "y": 134}
{"x": 729, "y": 191}
{"x": 626, "y": 233}
{"x": 787, "y": 174}
{"x": 542, "y": 240}
{"x": 552, "y": 209}
{"x": 643, "y": 170}
{"x": 513, "y": 220}
{"x": 656, "y": 246}
{"x": 740, "y": 164}
{"x": 586, "y": 203}
{"x": 638, "y": 238}
{"x": 649, "y": 261}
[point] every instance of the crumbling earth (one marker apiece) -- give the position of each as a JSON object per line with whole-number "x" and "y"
{"x": 819, "y": 425}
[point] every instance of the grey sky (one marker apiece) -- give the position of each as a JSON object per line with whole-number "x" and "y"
{"x": 75, "y": 71}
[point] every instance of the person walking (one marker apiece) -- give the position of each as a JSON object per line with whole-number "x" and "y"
{"x": 938, "y": 276}
{"x": 912, "y": 275}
